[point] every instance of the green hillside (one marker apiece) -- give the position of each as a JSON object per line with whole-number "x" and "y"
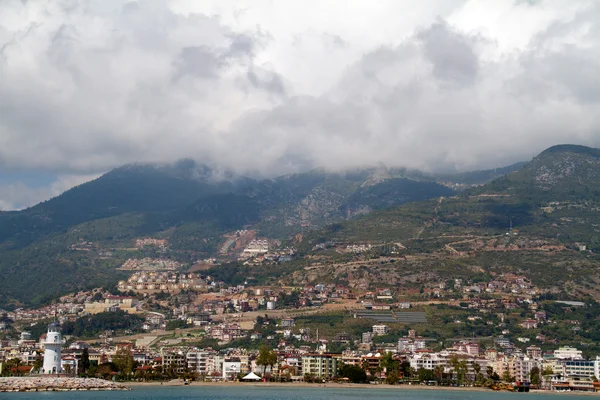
{"x": 133, "y": 188}
{"x": 181, "y": 202}
{"x": 542, "y": 221}
{"x": 556, "y": 195}
{"x": 551, "y": 202}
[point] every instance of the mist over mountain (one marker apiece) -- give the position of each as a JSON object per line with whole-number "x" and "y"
{"x": 446, "y": 87}
{"x": 431, "y": 124}
{"x": 551, "y": 198}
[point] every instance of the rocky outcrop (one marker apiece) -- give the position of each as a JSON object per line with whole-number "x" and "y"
{"x": 48, "y": 383}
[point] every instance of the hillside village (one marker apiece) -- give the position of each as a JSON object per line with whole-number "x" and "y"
{"x": 190, "y": 324}
{"x": 456, "y": 290}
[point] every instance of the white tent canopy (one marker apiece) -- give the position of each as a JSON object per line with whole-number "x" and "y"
{"x": 251, "y": 377}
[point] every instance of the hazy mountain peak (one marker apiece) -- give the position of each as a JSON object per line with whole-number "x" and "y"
{"x": 570, "y": 148}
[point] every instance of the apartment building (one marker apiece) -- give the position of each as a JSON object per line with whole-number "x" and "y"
{"x": 323, "y": 366}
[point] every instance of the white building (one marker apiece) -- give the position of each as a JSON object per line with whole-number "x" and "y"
{"x": 231, "y": 368}
{"x": 52, "y": 353}
{"x": 428, "y": 361}
{"x": 570, "y": 353}
{"x": 199, "y": 361}
{"x": 379, "y": 330}
{"x": 580, "y": 368}
{"x": 522, "y": 368}
{"x": 257, "y": 247}
{"x": 410, "y": 345}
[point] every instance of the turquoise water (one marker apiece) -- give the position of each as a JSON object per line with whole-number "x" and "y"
{"x": 282, "y": 393}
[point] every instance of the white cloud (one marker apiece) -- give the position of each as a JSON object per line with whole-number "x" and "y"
{"x": 280, "y": 86}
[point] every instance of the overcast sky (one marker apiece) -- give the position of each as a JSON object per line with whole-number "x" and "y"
{"x": 281, "y": 86}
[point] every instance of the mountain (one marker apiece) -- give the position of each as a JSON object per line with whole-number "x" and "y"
{"x": 542, "y": 220}
{"x": 131, "y": 188}
{"x": 476, "y": 178}
{"x": 189, "y": 204}
{"x": 551, "y": 202}
{"x": 560, "y": 183}
{"x": 560, "y": 173}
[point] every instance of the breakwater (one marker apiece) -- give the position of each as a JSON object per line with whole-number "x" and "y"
{"x": 49, "y": 383}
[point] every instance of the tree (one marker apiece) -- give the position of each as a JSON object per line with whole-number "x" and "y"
{"x": 507, "y": 377}
{"x": 476, "y": 368}
{"x": 478, "y": 375}
{"x": 535, "y": 376}
{"x": 266, "y": 357}
{"x": 425, "y": 374}
{"x": 460, "y": 368}
{"x": 353, "y": 372}
{"x": 405, "y": 369}
{"x": 12, "y": 367}
{"x": 38, "y": 363}
{"x": 438, "y": 371}
{"x": 84, "y": 363}
{"x": 124, "y": 362}
{"x": 388, "y": 363}
{"x": 104, "y": 370}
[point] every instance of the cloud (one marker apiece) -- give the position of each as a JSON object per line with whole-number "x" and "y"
{"x": 88, "y": 86}
{"x": 434, "y": 102}
{"x": 451, "y": 54}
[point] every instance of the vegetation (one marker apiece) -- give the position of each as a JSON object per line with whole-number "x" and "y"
{"x": 553, "y": 199}
{"x": 353, "y": 372}
{"x": 266, "y": 358}
{"x": 91, "y": 326}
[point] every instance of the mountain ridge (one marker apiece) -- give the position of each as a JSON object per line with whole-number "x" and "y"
{"x": 390, "y": 208}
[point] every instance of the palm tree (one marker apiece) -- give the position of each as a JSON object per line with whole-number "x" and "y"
{"x": 438, "y": 371}
{"x": 478, "y": 374}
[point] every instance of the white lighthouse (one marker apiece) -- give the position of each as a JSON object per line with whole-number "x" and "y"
{"x": 53, "y": 345}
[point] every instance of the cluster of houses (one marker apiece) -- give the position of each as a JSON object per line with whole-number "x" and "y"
{"x": 161, "y": 244}
{"x": 357, "y": 248}
{"x": 506, "y": 283}
{"x": 150, "y": 264}
{"x": 112, "y": 303}
{"x": 562, "y": 369}
{"x": 151, "y": 281}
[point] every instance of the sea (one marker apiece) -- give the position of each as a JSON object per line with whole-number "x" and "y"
{"x": 283, "y": 393}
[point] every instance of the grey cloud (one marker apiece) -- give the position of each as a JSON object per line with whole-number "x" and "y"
{"x": 451, "y": 53}
{"x": 333, "y": 41}
{"x": 103, "y": 93}
{"x": 207, "y": 62}
{"x": 269, "y": 81}
{"x": 99, "y": 90}
{"x": 242, "y": 45}
{"x": 396, "y": 105}
{"x": 198, "y": 61}
{"x": 555, "y": 66}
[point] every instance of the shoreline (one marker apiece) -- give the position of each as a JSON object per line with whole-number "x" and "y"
{"x": 330, "y": 385}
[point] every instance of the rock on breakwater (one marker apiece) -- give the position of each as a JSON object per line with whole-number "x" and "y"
{"x": 48, "y": 383}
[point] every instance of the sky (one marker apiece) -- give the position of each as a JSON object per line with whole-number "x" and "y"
{"x": 272, "y": 87}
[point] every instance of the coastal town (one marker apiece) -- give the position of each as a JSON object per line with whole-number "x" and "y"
{"x": 162, "y": 323}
